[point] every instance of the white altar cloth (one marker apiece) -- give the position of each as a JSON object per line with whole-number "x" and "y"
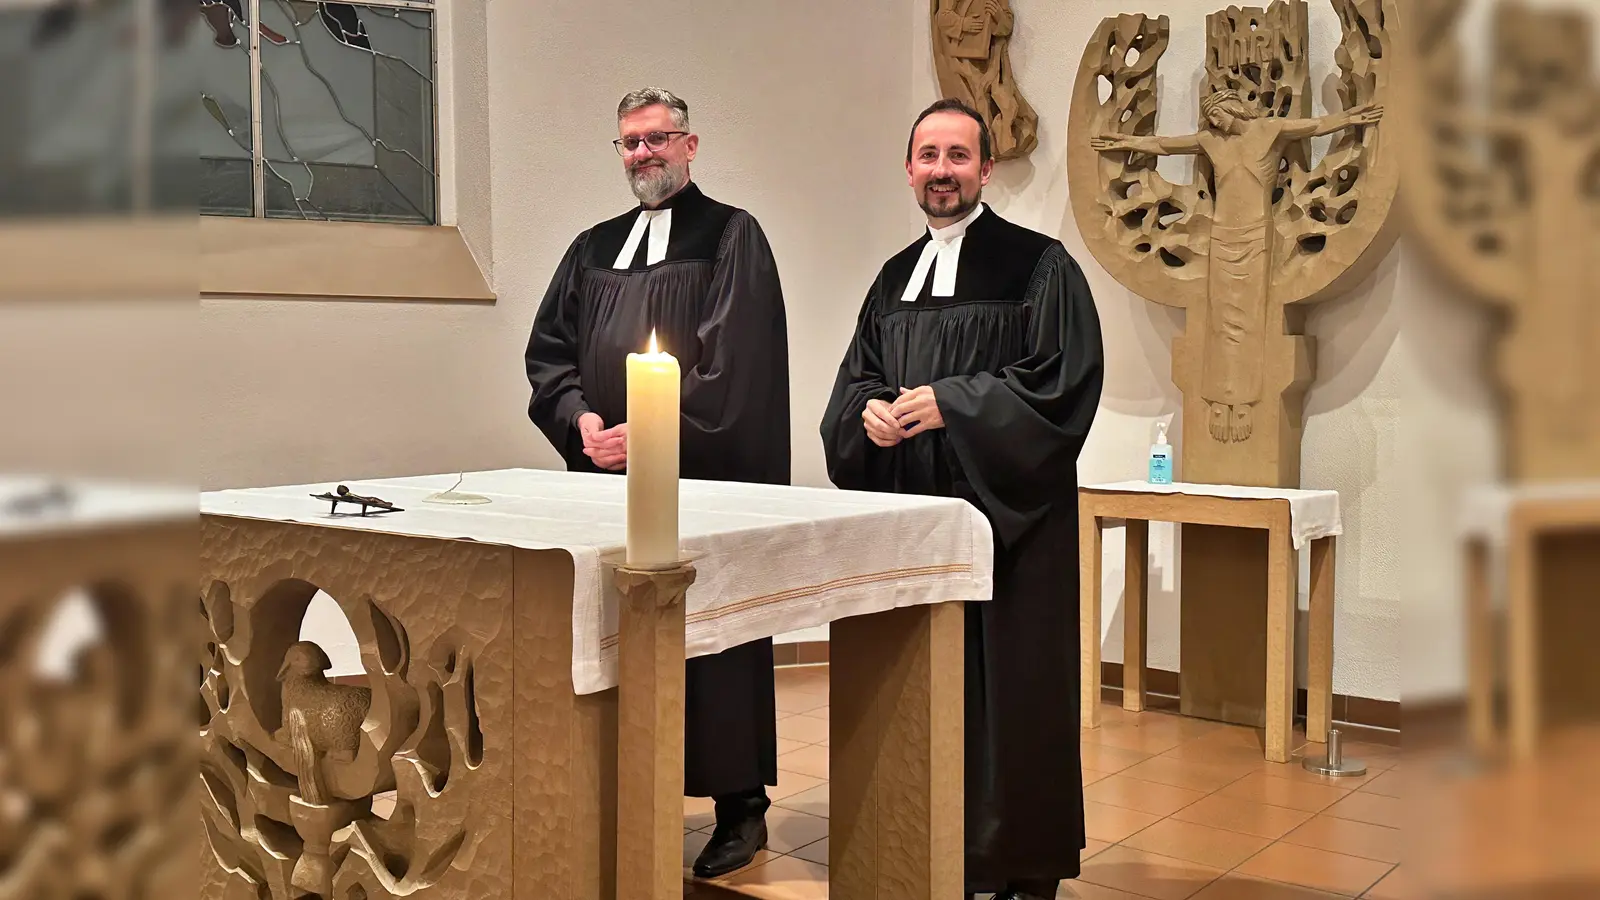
{"x": 770, "y": 559}
{"x": 1312, "y": 514}
{"x": 33, "y": 505}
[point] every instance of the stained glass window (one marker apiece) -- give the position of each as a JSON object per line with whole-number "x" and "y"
{"x": 94, "y": 109}
{"x": 319, "y": 110}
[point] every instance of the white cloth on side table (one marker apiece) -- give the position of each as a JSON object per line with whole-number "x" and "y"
{"x": 1312, "y": 514}
{"x": 770, "y": 559}
{"x": 1486, "y": 509}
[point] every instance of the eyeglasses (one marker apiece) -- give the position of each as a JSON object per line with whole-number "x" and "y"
{"x": 655, "y": 141}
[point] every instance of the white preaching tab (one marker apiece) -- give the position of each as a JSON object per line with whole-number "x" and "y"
{"x": 659, "y": 224}
{"x": 942, "y": 253}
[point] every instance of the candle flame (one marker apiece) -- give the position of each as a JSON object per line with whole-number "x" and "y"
{"x": 653, "y": 341}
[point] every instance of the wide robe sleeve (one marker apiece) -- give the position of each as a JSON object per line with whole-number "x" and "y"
{"x": 735, "y": 400}
{"x": 854, "y": 462}
{"x": 552, "y": 361}
{"x": 1017, "y": 435}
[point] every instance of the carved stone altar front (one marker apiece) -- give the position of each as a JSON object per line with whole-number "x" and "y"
{"x": 385, "y": 785}
{"x": 462, "y": 764}
{"x": 97, "y": 760}
{"x": 1263, "y": 230}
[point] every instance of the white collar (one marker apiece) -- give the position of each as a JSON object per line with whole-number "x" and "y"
{"x": 942, "y": 254}
{"x": 658, "y": 223}
{"x": 956, "y": 229}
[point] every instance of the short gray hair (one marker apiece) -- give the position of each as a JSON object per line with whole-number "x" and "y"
{"x": 654, "y": 96}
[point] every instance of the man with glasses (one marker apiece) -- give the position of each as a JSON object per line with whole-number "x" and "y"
{"x": 700, "y": 276}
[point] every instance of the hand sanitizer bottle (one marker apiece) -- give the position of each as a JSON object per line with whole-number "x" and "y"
{"x": 1161, "y": 457}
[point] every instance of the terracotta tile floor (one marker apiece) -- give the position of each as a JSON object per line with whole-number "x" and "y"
{"x": 1176, "y": 808}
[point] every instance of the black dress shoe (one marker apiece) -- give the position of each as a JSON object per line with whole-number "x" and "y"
{"x": 740, "y": 834}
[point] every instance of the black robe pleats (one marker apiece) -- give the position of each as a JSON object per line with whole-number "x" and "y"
{"x": 1015, "y": 361}
{"x": 715, "y": 303}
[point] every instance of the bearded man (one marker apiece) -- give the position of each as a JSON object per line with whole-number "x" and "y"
{"x": 975, "y": 372}
{"x": 700, "y": 276}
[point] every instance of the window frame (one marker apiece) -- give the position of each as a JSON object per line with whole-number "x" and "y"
{"x": 258, "y": 160}
{"x": 255, "y": 257}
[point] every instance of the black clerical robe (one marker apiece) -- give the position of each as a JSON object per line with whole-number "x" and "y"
{"x": 1013, "y": 354}
{"x": 701, "y": 275}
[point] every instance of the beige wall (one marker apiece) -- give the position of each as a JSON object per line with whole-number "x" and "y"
{"x": 101, "y": 387}
{"x": 290, "y": 391}
{"x": 1448, "y": 441}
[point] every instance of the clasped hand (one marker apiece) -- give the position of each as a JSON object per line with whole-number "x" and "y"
{"x": 608, "y": 447}
{"x": 914, "y": 412}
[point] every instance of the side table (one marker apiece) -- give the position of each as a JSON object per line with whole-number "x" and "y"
{"x": 1535, "y": 546}
{"x": 1291, "y": 518}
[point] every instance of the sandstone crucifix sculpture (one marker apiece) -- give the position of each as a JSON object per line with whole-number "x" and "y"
{"x": 1259, "y": 231}
{"x": 1245, "y": 150}
{"x": 1507, "y": 198}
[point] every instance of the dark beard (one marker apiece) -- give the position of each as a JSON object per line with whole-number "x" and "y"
{"x": 962, "y": 205}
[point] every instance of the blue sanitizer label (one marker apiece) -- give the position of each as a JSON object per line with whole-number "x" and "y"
{"x": 1160, "y": 470}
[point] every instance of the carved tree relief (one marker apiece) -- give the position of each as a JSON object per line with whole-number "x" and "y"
{"x": 972, "y": 58}
{"x": 1260, "y": 231}
{"x": 334, "y": 791}
{"x": 96, "y": 767}
{"x": 1506, "y": 195}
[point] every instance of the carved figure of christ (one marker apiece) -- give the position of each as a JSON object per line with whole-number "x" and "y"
{"x": 1245, "y": 150}
{"x": 1548, "y": 365}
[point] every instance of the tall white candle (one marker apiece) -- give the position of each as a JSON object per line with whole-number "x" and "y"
{"x": 653, "y": 394}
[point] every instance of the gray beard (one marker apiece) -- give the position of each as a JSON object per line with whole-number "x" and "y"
{"x": 655, "y": 183}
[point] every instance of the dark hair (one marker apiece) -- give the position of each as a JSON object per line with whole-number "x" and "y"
{"x": 985, "y": 151}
